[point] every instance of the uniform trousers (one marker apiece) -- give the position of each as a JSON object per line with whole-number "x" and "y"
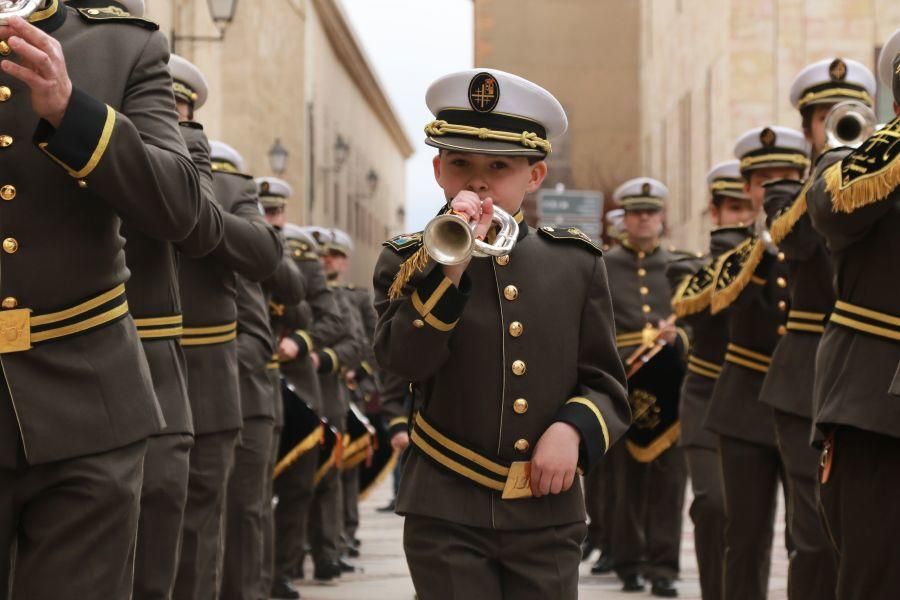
{"x": 350, "y": 494}
{"x": 163, "y": 497}
{"x": 859, "y": 504}
{"x": 599, "y": 488}
{"x": 295, "y": 490}
{"x": 812, "y": 572}
{"x": 708, "y": 515}
{"x": 750, "y": 476}
{"x": 449, "y": 561}
{"x": 73, "y": 525}
{"x": 244, "y": 511}
{"x": 646, "y": 532}
{"x": 200, "y": 565}
{"x": 326, "y": 519}
{"x": 268, "y": 566}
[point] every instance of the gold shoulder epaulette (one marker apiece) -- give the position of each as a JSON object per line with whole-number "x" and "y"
{"x": 300, "y": 250}
{"x": 695, "y": 292}
{"x": 112, "y": 14}
{"x": 785, "y": 220}
{"x": 868, "y": 174}
{"x": 571, "y": 234}
{"x": 404, "y": 245}
{"x": 735, "y": 270}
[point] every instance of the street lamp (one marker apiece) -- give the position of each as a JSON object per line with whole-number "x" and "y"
{"x": 341, "y": 153}
{"x": 372, "y": 180}
{"x": 221, "y": 12}
{"x": 278, "y": 154}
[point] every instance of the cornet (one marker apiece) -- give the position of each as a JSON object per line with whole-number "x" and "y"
{"x": 849, "y": 123}
{"x": 450, "y": 238}
{"x": 17, "y": 8}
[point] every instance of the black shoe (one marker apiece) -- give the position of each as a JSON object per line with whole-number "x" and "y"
{"x": 602, "y": 566}
{"x": 587, "y": 548}
{"x": 352, "y": 552}
{"x": 664, "y": 588}
{"x": 282, "y": 589}
{"x": 632, "y": 583}
{"x": 391, "y": 507}
{"x": 327, "y": 572}
{"x": 345, "y": 567}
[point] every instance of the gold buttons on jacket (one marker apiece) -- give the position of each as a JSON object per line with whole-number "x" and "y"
{"x": 781, "y": 257}
{"x": 6, "y": 141}
{"x": 520, "y": 406}
{"x": 82, "y": 183}
{"x": 418, "y": 323}
{"x": 10, "y": 245}
{"x": 8, "y": 192}
{"x": 644, "y": 290}
{"x": 516, "y": 329}
{"x": 781, "y": 282}
{"x": 782, "y": 330}
{"x": 4, "y": 48}
{"x": 5, "y": 93}
{"x": 642, "y": 255}
{"x": 9, "y": 302}
{"x": 522, "y": 446}
{"x": 782, "y": 305}
{"x": 646, "y": 309}
{"x": 503, "y": 260}
{"x": 519, "y": 368}
{"x": 510, "y": 292}
{"x": 642, "y": 272}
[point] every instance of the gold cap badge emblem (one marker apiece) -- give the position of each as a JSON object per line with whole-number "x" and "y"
{"x": 837, "y": 70}
{"x": 767, "y": 137}
{"x": 484, "y": 93}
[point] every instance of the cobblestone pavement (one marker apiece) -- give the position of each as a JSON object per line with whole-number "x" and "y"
{"x": 384, "y": 575}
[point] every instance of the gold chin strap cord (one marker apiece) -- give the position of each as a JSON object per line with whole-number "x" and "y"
{"x": 529, "y": 139}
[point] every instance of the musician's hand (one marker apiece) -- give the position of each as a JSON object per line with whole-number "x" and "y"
{"x": 41, "y": 66}
{"x": 555, "y": 460}
{"x": 400, "y": 441}
{"x": 350, "y": 378}
{"x": 477, "y": 211}
{"x": 667, "y": 332}
{"x": 288, "y": 349}
{"x": 316, "y": 361}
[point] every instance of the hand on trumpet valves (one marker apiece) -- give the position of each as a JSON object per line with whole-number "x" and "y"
{"x": 479, "y": 212}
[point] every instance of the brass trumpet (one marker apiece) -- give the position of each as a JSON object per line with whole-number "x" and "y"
{"x": 849, "y": 123}
{"x": 450, "y": 238}
{"x": 17, "y": 8}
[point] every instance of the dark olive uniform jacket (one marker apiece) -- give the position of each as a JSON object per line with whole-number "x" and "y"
{"x": 153, "y": 293}
{"x": 334, "y": 361}
{"x": 709, "y": 337}
{"x": 117, "y": 153}
{"x": 249, "y": 248}
{"x": 536, "y": 327}
{"x": 858, "y": 373}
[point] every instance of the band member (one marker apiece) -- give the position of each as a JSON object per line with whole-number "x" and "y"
{"x": 208, "y": 292}
{"x": 855, "y": 205}
{"x": 514, "y": 356}
{"x": 788, "y": 385}
{"x": 731, "y": 212}
{"x": 751, "y": 284}
{"x": 648, "y": 470}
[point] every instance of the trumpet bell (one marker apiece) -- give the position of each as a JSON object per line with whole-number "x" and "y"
{"x": 17, "y": 8}
{"x": 849, "y": 123}
{"x": 449, "y": 239}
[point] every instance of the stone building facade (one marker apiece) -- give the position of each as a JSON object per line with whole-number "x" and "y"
{"x": 663, "y": 87}
{"x": 293, "y": 70}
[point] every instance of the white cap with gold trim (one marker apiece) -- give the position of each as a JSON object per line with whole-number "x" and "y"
{"x": 188, "y": 82}
{"x": 641, "y": 193}
{"x": 725, "y": 179}
{"x": 220, "y": 152}
{"x": 772, "y": 146}
{"x": 833, "y": 80}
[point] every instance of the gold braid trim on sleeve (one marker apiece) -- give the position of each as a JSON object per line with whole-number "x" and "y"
{"x": 784, "y": 222}
{"x": 414, "y": 264}
{"x": 729, "y": 291}
{"x": 862, "y": 191}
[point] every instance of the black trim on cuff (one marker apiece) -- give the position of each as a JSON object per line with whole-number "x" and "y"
{"x": 450, "y": 303}
{"x": 398, "y": 427}
{"x": 326, "y": 364}
{"x": 593, "y": 442}
{"x": 82, "y": 137}
{"x": 301, "y": 342}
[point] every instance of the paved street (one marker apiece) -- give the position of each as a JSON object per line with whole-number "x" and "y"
{"x": 385, "y": 576}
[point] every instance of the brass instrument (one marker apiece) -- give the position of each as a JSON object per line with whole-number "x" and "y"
{"x": 651, "y": 346}
{"x": 450, "y": 239}
{"x": 849, "y": 123}
{"x": 17, "y": 8}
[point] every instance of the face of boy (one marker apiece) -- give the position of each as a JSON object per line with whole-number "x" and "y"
{"x": 732, "y": 212}
{"x": 504, "y": 179}
{"x": 815, "y": 135}
{"x": 754, "y": 185}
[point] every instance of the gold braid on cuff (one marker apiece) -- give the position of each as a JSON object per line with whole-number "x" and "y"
{"x": 529, "y": 139}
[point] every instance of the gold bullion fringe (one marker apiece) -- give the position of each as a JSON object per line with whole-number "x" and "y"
{"x": 666, "y": 440}
{"x": 414, "y": 264}
{"x": 861, "y": 192}
{"x": 785, "y": 222}
{"x": 307, "y": 444}
{"x": 723, "y": 299}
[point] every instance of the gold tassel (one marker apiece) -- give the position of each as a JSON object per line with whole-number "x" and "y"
{"x": 782, "y": 226}
{"x": 684, "y": 307}
{"x": 385, "y": 471}
{"x": 722, "y": 299}
{"x": 307, "y": 444}
{"x": 861, "y": 192}
{"x": 414, "y": 264}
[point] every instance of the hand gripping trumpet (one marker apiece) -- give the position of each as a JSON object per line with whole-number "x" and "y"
{"x": 450, "y": 238}
{"x": 650, "y": 347}
{"x": 17, "y": 8}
